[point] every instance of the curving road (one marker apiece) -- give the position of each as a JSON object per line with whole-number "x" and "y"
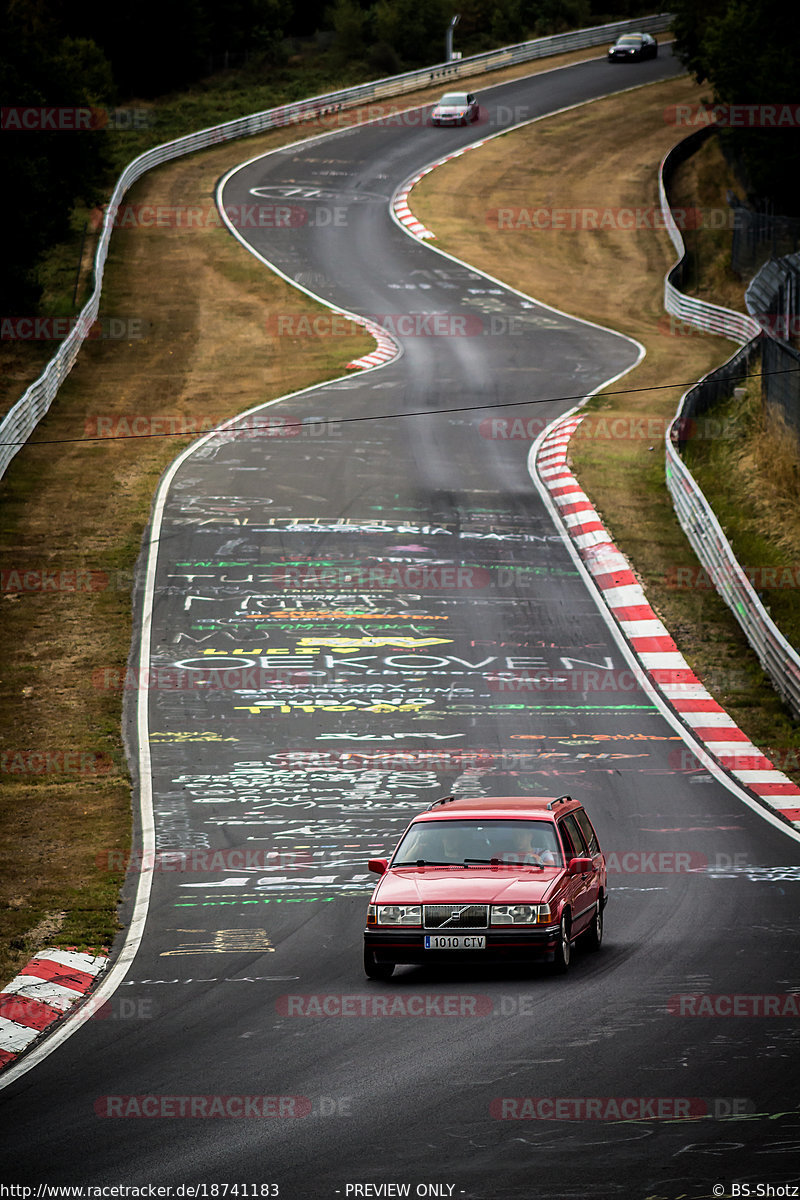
{"x": 346, "y": 617}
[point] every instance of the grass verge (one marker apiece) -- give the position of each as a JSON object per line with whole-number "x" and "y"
{"x": 752, "y": 474}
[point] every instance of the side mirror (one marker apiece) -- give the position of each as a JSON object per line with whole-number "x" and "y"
{"x": 378, "y": 865}
{"x": 580, "y": 866}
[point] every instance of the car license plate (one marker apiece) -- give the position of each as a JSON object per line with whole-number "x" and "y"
{"x": 455, "y": 941}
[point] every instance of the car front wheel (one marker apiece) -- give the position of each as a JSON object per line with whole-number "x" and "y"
{"x": 374, "y": 969}
{"x": 563, "y": 950}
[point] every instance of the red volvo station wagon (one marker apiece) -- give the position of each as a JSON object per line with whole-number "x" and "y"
{"x": 510, "y": 879}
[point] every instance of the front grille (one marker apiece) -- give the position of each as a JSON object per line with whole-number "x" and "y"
{"x": 469, "y": 916}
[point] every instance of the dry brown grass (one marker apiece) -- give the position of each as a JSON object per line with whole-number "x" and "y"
{"x": 699, "y": 185}
{"x": 753, "y": 476}
{"x": 771, "y": 467}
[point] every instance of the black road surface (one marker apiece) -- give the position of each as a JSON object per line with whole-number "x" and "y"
{"x": 342, "y": 615}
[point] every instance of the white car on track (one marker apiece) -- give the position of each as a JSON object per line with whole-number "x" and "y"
{"x": 455, "y": 108}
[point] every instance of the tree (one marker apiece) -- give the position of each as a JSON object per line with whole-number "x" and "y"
{"x": 415, "y": 29}
{"x": 47, "y": 170}
{"x": 748, "y": 52}
{"x": 506, "y": 23}
{"x": 349, "y": 21}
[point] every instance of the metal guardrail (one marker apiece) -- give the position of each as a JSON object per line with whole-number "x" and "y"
{"x": 20, "y": 422}
{"x": 773, "y": 298}
{"x": 773, "y": 295}
{"x": 780, "y": 660}
{"x": 777, "y": 657}
{"x": 711, "y": 317}
{"x": 759, "y": 235}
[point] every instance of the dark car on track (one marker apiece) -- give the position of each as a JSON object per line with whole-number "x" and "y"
{"x": 633, "y": 47}
{"x": 509, "y": 879}
{"x": 455, "y": 108}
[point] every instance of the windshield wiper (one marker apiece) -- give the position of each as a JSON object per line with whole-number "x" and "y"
{"x": 504, "y": 862}
{"x": 427, "y": 862}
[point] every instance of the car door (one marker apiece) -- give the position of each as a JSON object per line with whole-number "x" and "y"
{"x": 582, "y": 889}
{"x": 600, "y": 881}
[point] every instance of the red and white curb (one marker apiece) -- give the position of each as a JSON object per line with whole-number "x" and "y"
{"x": 400, "y": 203}
{"x": 387, "y": 347}
{"x": 41, "y": 994}
{"x": 404, "y": 213}
{"x": 659, "y": 656}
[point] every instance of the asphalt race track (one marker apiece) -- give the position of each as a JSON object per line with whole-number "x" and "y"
{"x": 342, "y": 615}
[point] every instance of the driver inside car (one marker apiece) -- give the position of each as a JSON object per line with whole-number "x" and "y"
{"x": 523, "y": 848}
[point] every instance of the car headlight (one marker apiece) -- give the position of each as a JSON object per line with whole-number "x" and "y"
{"x": 520, "y": 914}
{"x": 394, "y": 914}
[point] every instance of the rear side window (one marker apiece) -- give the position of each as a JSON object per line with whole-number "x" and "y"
{"x": 574, "y": 846}
{"x": 590, "y": 837}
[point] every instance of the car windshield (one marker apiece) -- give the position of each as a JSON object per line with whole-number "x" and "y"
{"x": 455, "y": 843}
{"x": 630, "y": 40}
{"x": 454, "y": 100}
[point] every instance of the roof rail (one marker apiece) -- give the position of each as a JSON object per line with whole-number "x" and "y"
{"x": 442, "y": 800}
{"x": 559, "y": 800}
